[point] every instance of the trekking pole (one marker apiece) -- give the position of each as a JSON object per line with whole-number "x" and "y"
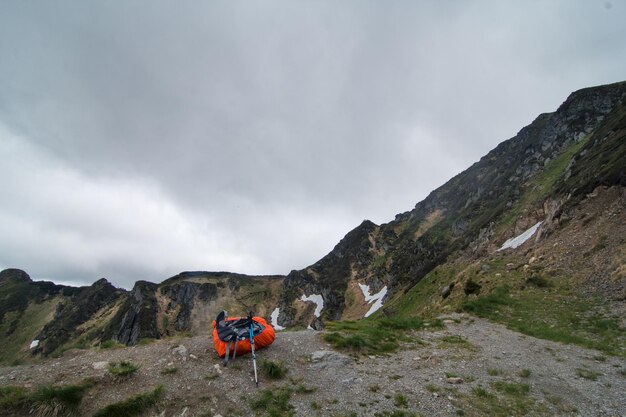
{"x": 256, "y": 380}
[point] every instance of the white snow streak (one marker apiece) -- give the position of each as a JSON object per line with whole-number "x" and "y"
{"x": 317, "y": 299}
{"x": 377, "y": 298}
{"x": 274, "y": 319}
{"x": 517, "y": 241}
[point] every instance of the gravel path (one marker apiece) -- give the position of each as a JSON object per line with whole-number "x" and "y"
{"x": 416, "y": 379}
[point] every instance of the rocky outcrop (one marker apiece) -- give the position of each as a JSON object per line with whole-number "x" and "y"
{"x": 14, "y": 275}
{"x": 328, "y": 277}
{"x": 137, "y": 318}
{"x": 182, "y": 296}
{"x": 75, "y": 311}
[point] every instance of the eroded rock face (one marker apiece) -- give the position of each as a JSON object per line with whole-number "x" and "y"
{"x": 182, "y": 296}
{"x": 137, "y": 318}
{"x": 328, "y": 277}
{"x": 74, "y": 312}
{"x": 463, "y": 212}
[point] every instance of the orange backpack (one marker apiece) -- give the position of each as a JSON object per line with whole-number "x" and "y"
{"x": 232, "y": 334}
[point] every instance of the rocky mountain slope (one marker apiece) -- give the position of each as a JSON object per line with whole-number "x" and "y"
{"x": 553, "y": 172}
{"x": 59, "y": 317}
{"x": 539, "y": 175}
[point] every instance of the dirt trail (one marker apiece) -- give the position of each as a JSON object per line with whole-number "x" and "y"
{"x": 414, "y": 380}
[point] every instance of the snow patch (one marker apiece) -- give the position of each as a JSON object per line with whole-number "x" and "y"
{"x": 34, "y": 344}
{"x": 377, "y": 298}
{"x": 317, "y": 299}
{"x": 274, "y": 319}
{"x": 517, "y": 241}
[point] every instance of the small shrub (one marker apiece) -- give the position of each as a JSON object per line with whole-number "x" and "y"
{"x": 400, "y": 400}
{"x": 132, "y": 406}
{"x": 374, "y": 388}
{"x": 122, "y": 369}
{"x": 538, "y": 281}
{"x": 273, "y": 370}
{"x": 525, "y": 373}
{"x": 471, "y": 287}
{"x": 432, "y": 388}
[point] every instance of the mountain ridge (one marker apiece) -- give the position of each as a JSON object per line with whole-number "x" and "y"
{"x": 545, "y": 170}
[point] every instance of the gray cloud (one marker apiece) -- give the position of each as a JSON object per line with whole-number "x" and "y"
{"x": 145, "y": 138}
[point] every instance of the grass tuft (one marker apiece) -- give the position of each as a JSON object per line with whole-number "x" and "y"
{"x": 457, "y": 341}
{"x": 587, "y": 374}
{"x": 111, "y": 344}
{"x": 48, "y": 400}
{"x": 399, "y": 400}
{"x": 273, "y": 370}
{"x": 481, "y": 392}
{"x": 132, "y": 406}
{"x": 13, "y": 398}
{"x": 511, "y": 388}
{"x": 274, "y": 401}
{"x": 122, "y": 369}
{"x": 169, "y": 371}
{"x": 303, "y": 389}
{"x": 375, "y": 335}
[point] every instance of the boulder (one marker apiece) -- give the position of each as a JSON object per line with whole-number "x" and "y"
{"x": 323, "y": 358}
{"x": 181, "y": 351}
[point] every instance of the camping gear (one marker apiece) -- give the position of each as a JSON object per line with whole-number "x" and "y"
{"x": 234, "y": 336}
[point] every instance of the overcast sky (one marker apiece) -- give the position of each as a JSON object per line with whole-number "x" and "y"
{"x": 139, "y": 139}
